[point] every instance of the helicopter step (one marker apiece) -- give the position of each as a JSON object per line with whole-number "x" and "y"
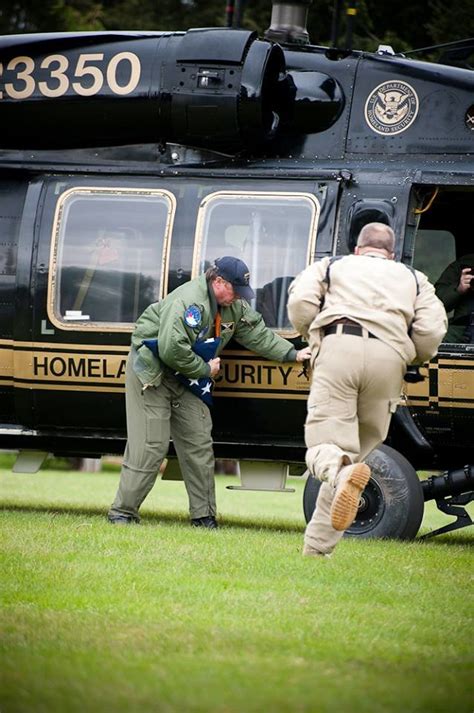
{"x": 29, "y": 461}
{"x": 263, "y": 475}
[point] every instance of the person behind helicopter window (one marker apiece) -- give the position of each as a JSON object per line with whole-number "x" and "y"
{"x": 271, "y": 302}
{"x": 455, "y": 288}
{"x": 168, "y": 382}
{"x": 366, "y": 318}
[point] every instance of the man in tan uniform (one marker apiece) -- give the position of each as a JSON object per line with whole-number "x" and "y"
{"x": 366, "y": 317}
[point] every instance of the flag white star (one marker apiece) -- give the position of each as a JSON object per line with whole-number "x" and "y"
{"x": 193, "y": 382}
{"x": 207, "y": 388}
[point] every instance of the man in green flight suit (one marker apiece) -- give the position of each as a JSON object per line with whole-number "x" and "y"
{"x": 455, "y": 289}
{"x": 160, "y": 405}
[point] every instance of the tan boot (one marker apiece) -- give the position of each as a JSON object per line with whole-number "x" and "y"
{"x": 310, "y": 552}
{"x": 351, "y": 482}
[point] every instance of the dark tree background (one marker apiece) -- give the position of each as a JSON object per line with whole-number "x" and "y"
{"x": 404, "y": 25}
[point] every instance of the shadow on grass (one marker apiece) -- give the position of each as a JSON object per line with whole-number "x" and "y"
{"x": 152, "y": 519}
{"x": 168, "y": 518}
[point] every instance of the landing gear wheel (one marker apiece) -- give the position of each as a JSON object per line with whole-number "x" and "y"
{"x": 391, "y": 505}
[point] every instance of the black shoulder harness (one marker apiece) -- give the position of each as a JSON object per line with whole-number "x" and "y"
{"x": 332, "y": 259}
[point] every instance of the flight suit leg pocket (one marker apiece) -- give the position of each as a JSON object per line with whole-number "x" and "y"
{"x": 200, "y": 417}
{"x": 324, "y": 405}
{"x": 156, "y": 419}
{"x": 318, "y": 404}
{"x": 154, "y": 430}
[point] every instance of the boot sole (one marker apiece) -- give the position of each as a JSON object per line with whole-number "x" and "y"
{"x": 346, "y": 501}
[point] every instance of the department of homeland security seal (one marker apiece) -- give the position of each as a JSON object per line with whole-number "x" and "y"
{"x": 391, "y": 108}
{"x": 192, "y": 316}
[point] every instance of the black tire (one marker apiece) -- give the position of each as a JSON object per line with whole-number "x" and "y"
{"x": 392, "y": 504}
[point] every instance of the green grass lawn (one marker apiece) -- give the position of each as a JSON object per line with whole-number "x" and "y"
{"x": 166, "y": 618}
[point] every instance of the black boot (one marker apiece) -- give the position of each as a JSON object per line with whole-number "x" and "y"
{"x": 122, "y": 520}
{"x": 209, "y": 521}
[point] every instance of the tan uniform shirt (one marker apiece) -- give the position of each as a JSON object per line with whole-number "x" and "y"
{"x": 379, "y": 294}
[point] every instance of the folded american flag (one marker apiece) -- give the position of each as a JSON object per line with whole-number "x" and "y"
{"x": 202, "y": 388}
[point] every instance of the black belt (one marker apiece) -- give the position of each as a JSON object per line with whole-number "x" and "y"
{"x": 347, "y": 329}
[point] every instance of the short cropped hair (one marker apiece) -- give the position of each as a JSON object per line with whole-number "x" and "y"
{"x": 211, "y": 274}
{"x": 377, "y": 235}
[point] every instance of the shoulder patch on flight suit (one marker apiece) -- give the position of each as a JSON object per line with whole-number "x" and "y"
{"x": 192, "y": 316}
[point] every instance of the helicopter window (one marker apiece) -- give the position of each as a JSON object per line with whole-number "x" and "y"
{"x": 434, "y": 249}
{"x": 443, "y": 250}
{"x": 273, "y": 233}
{"x": 110, "y": 248}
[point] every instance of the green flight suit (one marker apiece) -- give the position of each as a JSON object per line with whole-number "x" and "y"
{"x": 462, "y": 305}
{"x": 159, "y": 406}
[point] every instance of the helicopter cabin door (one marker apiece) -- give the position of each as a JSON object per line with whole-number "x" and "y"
{"x": 100, "y": 258}
{"x": 443, "y": 248}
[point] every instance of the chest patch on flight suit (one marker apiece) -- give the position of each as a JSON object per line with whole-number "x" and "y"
{"x": 227, "y": 326}
{"x": 192, "y": 316}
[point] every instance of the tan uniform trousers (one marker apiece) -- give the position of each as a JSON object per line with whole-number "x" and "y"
{"x": 153, "y": 416}
{"x": 356, "y": 386}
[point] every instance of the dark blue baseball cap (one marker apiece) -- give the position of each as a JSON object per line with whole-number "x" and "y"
{"x": 237, "y": 273}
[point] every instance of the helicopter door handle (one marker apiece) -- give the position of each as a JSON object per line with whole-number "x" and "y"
{"x": 209, "y": 78}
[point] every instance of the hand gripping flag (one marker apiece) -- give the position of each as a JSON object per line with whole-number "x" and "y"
{"x": 206, "y": 350}
{"x": 202, "y": 387}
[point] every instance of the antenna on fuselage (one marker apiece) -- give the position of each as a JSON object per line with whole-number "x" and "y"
{"x": 229, "y": 13}
{"x": 336, "y": 22}
{"x": 351, "y": 13}
{"x": 233, "y": 13}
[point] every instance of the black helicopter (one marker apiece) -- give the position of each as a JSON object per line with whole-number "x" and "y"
{"x": 130, "y": 160}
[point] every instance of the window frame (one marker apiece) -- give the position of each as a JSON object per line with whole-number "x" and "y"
{"x": 51, "y": 300}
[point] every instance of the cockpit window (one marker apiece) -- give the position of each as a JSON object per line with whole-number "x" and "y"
{"x": 273, "y": 233}
{"x": 109, "y": 256}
